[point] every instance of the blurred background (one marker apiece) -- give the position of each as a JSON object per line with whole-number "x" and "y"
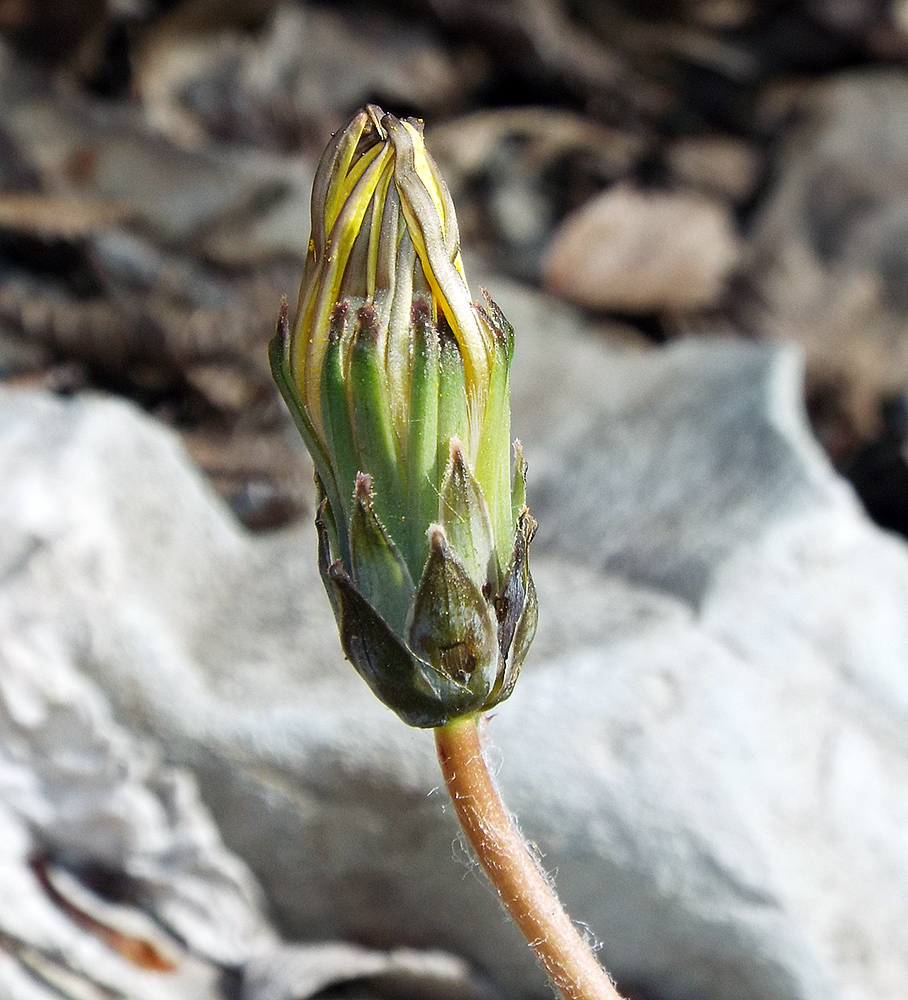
{"x": 714, "y": 166}
{"x": 695, "y": 213}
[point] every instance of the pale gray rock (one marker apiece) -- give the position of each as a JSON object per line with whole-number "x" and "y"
{"x": 83, "y": 792}
{"x": 305, "y": 970}
{"x": 643, "y": 252}
{"x": 77, "y": 788}
{"x": 708, "y": 742}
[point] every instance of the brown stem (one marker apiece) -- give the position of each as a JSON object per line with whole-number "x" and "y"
{"x": 524, "y": 890}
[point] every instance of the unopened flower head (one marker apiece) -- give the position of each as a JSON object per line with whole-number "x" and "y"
{"x": 399, "y": 383}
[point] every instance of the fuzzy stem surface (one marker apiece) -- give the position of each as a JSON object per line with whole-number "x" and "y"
{"x": 523, "y": 889}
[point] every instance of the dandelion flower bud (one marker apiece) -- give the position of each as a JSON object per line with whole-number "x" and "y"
{"x": 399, "y": 384}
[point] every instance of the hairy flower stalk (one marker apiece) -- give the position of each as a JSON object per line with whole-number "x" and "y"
{"x": 399, "y": 384}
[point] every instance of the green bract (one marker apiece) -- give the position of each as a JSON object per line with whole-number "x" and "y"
{"x": 399, "y": 384}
